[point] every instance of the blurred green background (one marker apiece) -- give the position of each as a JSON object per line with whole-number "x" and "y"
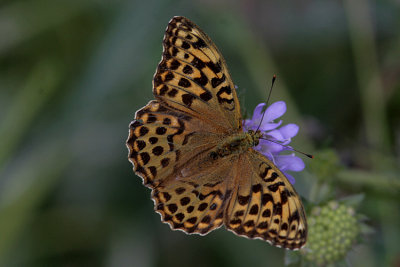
{"x": 73, "y": 73}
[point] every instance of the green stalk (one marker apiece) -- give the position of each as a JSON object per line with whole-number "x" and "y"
{"x": 368, "y": 78}
{"x": 26, "y": 105}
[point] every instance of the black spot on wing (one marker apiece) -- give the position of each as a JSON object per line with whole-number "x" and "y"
{"x": 225, "y": 89}
{"x": 277, "y": 209}
{"x": 216, "y": 68}
{"x": 243, "y": 200}
{"x": 256, "y": 188}
{"x": 158, "y": 150}
{"x": 135, "y": 123}
{"x": 180, "y": 190}
{"x": 187, "y": 99}
{"x": 217, "y": 81}
{"x": 199, "y": 43}
{"x": 202, "y": 80}
{"x": 185, "y": 45}
{"x": 206, "y": 96}
{"x": 266, "y": 198}
{"x": 151, "y": 118}
{"x": 284, "y": 196}
{"x": 143, "y": 131}
{"x": 254, "y": 209}
{"x": 145, "y": 157}
{"x": 161, "y": 130}
{"x": 165, "y": 162}
{"x": 184, "y": 83}
{"x": 294, "y": 217}
{"x": 184, "y": 201}
{"x": 186, "y": 138}
{"x": 273, "y": 177}
{"x": 167, "y": 121}
{"x": 197, "y": 63}
{"x": 172, "y": 208}
{"x": 187, "y": 69}
{"x": 172, "y": 92}
{"x": 141, "y": 144}
{"x": 169, "y": 77}
{"x": 163, "y": 90}
{"x": 274, "y": 187}
{"x": 174, "y": 64}
{"x": 153, "y": 140}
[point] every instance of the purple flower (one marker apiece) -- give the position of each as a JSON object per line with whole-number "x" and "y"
{"x": 269, "y": 128}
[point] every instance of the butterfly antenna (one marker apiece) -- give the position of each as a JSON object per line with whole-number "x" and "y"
{"x": 290, "y": 148}
{"x": 269, "y": 95}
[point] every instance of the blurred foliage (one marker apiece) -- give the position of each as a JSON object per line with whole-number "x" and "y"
{"x": 72, "y": 74}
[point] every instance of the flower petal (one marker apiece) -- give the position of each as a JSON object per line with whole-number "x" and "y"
{"x": 290, "y": 130}
{"x": 289, "y": 162}
{"x": 257, "y": 114}
{"x": 274, "y": 111}
{"x": 270, "y": 147}
{"x": 290, "y": 178}
{"x": 276, "y": 134}
{"x": 269, "y": 126}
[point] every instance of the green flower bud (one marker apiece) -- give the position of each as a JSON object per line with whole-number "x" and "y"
{"x": 333, "y": 230}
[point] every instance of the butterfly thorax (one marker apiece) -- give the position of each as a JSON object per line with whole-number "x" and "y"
{"x": 236, "y": 144}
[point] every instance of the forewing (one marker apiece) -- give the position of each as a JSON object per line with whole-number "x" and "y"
{"x": 193, "y": 77}
{"x": 265, "y": 205}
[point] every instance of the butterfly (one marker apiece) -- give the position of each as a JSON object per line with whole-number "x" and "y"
{"x": 188, "y": 145}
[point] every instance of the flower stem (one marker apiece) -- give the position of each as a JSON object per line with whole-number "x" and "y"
{"x": 368, "y": 77}
{"x": 378, "y": 181}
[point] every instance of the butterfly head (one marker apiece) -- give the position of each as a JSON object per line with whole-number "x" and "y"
{"x": 254, "y": 137}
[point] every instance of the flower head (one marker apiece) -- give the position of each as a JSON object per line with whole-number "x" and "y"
{"x": 333, "y": 230}
{"x": 275, "y": 136}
